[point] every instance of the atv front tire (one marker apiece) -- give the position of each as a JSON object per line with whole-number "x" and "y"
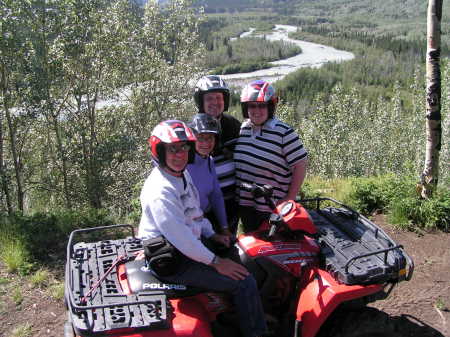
{"x": 367, "y": 322}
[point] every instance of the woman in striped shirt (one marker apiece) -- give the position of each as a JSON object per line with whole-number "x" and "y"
{"x": 268, "y": 151}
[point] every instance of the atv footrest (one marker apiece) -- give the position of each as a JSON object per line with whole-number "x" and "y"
{"x": 355, "y": 250}
{"x": 98, "y": 310}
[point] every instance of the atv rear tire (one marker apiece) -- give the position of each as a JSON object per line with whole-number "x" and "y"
{"x": 367, "y": 322}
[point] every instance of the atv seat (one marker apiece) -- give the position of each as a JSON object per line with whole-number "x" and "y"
{"x": 141, "y": 278}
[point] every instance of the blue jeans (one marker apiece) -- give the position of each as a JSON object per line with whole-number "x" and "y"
{"x": 244, "y": 293}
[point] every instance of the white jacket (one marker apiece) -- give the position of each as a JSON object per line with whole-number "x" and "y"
{"x": 171, "y": 207}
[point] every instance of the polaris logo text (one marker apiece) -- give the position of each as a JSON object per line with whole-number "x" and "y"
{"x": 163, "y": 286}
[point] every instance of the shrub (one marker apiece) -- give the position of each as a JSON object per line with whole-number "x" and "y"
{"x": 134, "y": 215}
{"x": 396, "y": 195}
{"x": 41, "y": 235}
{"x": 429, "y": 213}
{"x": 370, "y": 194}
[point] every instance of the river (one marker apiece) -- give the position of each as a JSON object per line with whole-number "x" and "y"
{"x": 313, "y": 55}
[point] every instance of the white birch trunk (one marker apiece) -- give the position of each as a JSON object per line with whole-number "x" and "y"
{"x": 430, "y": 174}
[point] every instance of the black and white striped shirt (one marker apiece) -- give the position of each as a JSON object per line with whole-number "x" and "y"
{"x": 223, "y": 156}
{"x": 266, "y": 155}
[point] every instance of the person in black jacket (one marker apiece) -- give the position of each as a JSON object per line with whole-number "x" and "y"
{"x": 212, "y": 96}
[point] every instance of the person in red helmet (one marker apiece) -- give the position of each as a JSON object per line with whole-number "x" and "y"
{"x": 212, "y": 97}
{"x": 268, "y": 151}
{"x": 171, "y": 208}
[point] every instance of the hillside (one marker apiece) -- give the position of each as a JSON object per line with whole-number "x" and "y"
{"x": 326, "y": 8}
{"x": 405, "y": 19}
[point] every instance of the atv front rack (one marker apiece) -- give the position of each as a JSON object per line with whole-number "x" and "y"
{"x": 95, "y": 311}
{"x": 354, "y": 249}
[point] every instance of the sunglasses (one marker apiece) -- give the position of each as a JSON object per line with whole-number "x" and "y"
{"x": 177, "y": 148}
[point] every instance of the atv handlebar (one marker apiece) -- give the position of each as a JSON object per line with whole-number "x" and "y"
{"x": 266, "y": 192}
{"x": 261, "y": 191}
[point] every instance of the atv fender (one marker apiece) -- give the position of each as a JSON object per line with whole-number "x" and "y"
{"x": 322, "y": 295}
{"x": 189, "y": 319}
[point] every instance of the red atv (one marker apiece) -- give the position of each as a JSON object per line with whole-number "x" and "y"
{"x": 311, "y": 265}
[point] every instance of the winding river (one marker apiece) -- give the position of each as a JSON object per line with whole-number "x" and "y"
{"x": 313, "y": 55}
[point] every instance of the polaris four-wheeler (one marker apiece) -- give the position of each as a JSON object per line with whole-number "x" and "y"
{"x": 313, "y": 259}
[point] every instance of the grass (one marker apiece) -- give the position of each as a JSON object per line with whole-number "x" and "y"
{"x": 338, "y": 189}
{"x": 24, "y": 330}
{"x": 56, "y": 290}
{"x": 40, "y": 278}
{"x": 17, "y": 296}
{"x": 15, "y": 257}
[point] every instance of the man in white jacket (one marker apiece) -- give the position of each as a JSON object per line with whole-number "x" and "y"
{"x": 171, "y": 207}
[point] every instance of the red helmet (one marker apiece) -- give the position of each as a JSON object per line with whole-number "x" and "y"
{"x": 168, "y": 132}
{"x": 259, "y": 91}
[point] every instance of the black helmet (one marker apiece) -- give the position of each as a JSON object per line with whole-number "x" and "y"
{"x": 204, "y": 123}
{"x": 211, "y": 83}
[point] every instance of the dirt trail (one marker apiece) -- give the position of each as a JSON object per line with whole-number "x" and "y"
{"x": 422, "y": 305}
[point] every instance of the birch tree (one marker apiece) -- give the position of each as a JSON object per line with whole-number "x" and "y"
{"x": 430, "y": 174}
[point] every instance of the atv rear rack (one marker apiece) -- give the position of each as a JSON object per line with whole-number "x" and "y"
{"x": 97, "y": 310}
{"x": 354, "y": 249}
